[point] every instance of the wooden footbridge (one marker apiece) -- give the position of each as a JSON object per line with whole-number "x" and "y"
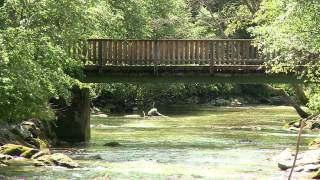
{"x": 222, "y": 60}
{"x": 145, "y": 61}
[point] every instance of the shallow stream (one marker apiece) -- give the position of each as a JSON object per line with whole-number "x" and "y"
{"x": 193, "y": 143}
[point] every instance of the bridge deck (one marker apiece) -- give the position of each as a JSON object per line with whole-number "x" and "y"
{"x": 109, "y": 60}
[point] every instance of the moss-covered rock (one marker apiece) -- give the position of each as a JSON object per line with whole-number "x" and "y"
{"x": 29, "y": 153}
{"x": 13, "y": 149}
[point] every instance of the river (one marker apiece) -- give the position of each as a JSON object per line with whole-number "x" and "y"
{"x": 195, "y": 142}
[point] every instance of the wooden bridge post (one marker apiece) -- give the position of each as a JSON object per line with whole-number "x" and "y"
{"x": 156, "y": 57}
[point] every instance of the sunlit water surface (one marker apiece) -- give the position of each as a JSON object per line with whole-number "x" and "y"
{"x": 198, "y": 142}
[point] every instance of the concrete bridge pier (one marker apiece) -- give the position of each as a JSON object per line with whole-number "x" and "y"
{"x": 73, "y": 123}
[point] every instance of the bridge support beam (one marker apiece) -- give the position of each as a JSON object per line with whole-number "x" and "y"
{"x": 73, "y": 124}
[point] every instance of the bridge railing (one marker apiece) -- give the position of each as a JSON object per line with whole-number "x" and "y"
{"x": 109, "y": 52}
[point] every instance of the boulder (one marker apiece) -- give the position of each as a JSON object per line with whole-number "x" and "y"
{"x": 306, "y": 161}
{"x": 57, "y": 159}
{"x": 22, "y": 131}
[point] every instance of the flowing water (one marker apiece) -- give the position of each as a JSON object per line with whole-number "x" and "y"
{"x": 193, "y": 143}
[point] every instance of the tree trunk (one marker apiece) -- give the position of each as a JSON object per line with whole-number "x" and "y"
{"x": 301, "y": 96}
{"x": 285, "y": 95}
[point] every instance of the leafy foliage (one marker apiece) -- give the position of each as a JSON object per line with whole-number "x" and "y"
{"x": 34, "y": 61}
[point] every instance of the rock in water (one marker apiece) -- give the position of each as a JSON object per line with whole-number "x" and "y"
{"x": 304, "y": 160}
{"x": 153, "y": 112}
{"x": 57, "y": 159}
{"x": 112, "y": 144}
{"x": 315, "y": 144}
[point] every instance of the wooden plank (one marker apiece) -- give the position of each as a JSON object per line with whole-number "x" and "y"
{"x": 211, "y": 48}
{"x": 134, "y": 59}
{"x": 165, "y": 52}
{"x": 192, "y": 52}
{"x": 178, "y": 51}
{"x": 219, "y": 52}
{"x": 120, "y": 52}
{"x": 130, "y": 48}
{"x": 90, "y": 51}
{"x": 187, "y": 52}
{"x": 173, "y": 49}
{"x": 124, "y": 52}
{"x": 148, "y": 52}
{"x": 242, "y": 52}
{"x": 100, "y": 49}
{"x": 109, "y": 52}
{"x": 139, "y": 52}
{"x": 196, "y": 52}
{"x": 94, "y": 51}
{"x": 207, "y": 52}
{"x": 143, "y": 50}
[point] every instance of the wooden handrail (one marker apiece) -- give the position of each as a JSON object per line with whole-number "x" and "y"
{"x": 113, "y": 52}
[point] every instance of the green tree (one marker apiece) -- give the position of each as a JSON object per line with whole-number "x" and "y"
{"x": 35, "y": 37}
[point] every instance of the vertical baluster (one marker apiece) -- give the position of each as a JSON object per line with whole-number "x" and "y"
{"x": 193, "y": 52}
{"x": 196, "y": 52}
{"x": 149, "y": 51}
{"x": 94, "y": 51}
{"x": 134, "y": 52}
{"x": 207, "y": 52}
{"x": 174, "y": 49}
{"x": 90, "y": 51}
{"x": 211, "y": 55}
{"x": 179, "y": 51}
{"x": 232, "y": 52}
{"x": 125, "y": 52}
{"x": 120, "y": 52}
{"x": 187, "y": 52}
{"x": 219, "y": 52}
{"x": 137, "y": 52}
{"x": 156, "y": 57}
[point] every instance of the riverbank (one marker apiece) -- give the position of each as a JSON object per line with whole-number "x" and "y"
{"x": 29, "y": 143}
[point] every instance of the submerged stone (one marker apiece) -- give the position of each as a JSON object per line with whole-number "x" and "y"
{"x": 112, "y": 144}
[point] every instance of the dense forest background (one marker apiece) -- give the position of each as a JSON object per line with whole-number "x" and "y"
{"x": 35, "y": 37}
